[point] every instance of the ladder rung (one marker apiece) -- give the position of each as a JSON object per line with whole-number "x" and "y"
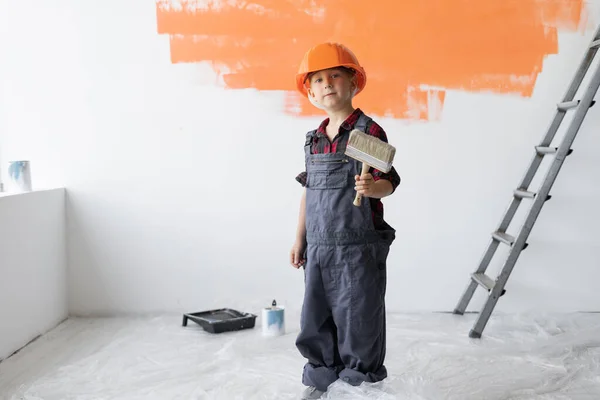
{"x": 567, "y": 105}
{"x": 503, "y": 237}
{"x": 524, "y": 194}
{"x": 483, "y": 280}
{"x": 595, "y": 43}
{"x": 541, "y": 150}
{"x": 506, "y": 239}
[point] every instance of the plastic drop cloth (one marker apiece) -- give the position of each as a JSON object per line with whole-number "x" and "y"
{"x": 550, "y": 356}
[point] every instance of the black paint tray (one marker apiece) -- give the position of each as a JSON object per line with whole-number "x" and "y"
{"x": 221, "y": 320}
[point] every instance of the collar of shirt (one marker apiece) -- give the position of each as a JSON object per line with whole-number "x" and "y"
{"x": 347, "y": 125}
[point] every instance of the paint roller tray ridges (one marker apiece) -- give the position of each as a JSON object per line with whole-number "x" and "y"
{"x": 221, "y": 320}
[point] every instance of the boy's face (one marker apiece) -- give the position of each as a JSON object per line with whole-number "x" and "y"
{"x": 332, "y": 88}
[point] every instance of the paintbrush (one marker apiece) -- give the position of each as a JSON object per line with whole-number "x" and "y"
{"x": 372, "y": 152}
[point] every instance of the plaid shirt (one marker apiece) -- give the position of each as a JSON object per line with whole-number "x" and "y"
{"x": 322, "y": 145}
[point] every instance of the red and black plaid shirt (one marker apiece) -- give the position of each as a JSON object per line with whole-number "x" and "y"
{"x": 322, "y": 145}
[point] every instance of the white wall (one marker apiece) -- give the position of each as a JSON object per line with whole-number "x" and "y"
{"x": 175, "y": 204}
{"x": 33, "y": 278}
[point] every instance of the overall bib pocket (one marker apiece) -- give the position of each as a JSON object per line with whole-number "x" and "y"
{"x": 320, "y": 180}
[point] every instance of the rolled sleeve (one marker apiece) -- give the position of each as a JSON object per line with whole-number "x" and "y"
{"x": 301, "y": 178}
{"x": 391, "y": 176}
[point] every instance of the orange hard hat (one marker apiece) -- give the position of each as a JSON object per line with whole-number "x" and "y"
{"x": 329, "y": 55}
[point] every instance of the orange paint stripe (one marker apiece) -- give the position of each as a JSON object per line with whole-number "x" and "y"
{"x": 472, "y": 45}
{"x": 251, "y": 65}
{"x": 230, "y": 21}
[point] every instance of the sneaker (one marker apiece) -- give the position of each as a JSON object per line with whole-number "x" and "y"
{"x": 311, "y": 393}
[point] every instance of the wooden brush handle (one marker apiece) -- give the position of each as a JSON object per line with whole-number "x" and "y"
{"x": 365, "y": 169}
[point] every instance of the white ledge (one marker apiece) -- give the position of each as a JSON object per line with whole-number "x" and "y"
{"x": 11, "y": 194}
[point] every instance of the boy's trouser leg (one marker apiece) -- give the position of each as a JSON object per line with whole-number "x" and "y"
{"x": 317, "y": 340}
{"x": 358, "y": 305}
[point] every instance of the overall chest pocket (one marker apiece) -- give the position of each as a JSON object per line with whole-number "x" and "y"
{"x": 320, "y": 180}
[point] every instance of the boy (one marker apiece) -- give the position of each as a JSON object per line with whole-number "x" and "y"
{"x": 343, "y": 248}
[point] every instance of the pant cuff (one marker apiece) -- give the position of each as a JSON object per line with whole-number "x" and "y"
{"x": 355, "y": 378}
{"x": 319, "y": 376}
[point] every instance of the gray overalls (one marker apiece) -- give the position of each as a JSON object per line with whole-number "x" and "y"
{"x": 343, "y": 315}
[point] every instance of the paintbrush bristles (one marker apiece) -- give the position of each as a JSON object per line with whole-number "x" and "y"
{"x": 370, "y": 150}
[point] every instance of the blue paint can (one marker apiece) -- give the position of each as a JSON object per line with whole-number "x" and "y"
{"x": 273, "y": 320}
{"x": 19, "y": 174}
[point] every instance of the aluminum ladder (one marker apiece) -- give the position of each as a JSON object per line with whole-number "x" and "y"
{"x": 518, "y": 243}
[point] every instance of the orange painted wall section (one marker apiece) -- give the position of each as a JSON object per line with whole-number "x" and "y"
{"x": 412, "y": 50}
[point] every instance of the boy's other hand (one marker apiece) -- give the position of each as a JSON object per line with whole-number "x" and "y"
{"x": 365, "y": 184}
{"x": 296, "y": 255}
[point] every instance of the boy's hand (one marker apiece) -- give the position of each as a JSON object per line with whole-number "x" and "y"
{"x": 296, "y": 255}
{"x": 365, "y": 184}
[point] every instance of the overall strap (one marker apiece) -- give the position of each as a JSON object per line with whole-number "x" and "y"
{"x": 363, "y": 122}
{"x": 310, "y": 136}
